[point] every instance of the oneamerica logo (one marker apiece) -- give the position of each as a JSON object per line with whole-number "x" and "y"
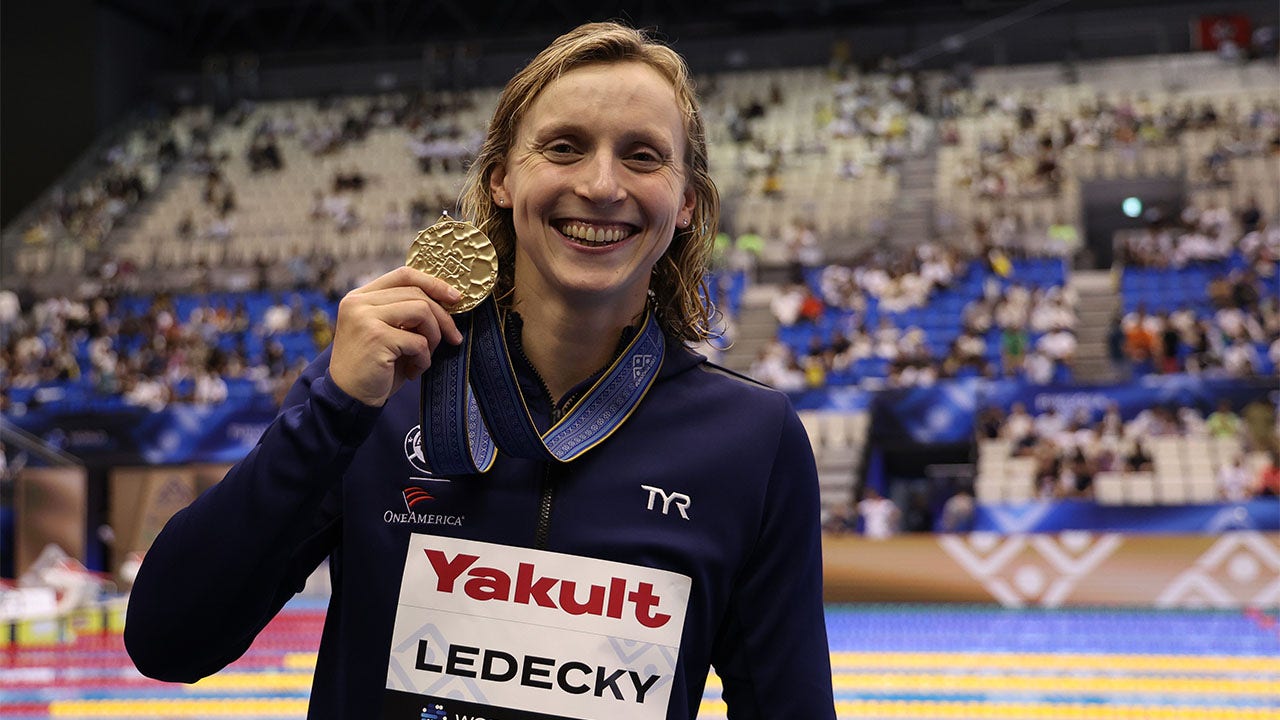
{"x": 415, "y": 518}
{"x": 528, "y": 587}
{"x": 414, "y": 496}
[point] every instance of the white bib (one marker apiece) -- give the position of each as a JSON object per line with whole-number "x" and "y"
{"x": 491, "y": 632}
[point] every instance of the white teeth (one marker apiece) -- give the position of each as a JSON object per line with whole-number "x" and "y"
{"x": 591, "y": 235}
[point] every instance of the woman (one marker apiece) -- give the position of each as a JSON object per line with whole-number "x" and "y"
{"x": 601, "y": 586}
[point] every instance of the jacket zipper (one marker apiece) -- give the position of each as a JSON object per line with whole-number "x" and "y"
{"x": 542, "y": 532}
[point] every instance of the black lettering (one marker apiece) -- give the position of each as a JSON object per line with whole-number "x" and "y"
{"x": 641, "y": 689}
{"x": 530, "y": 670}
{"x": 486, "y": 670}
{"x": 457, "y": 665}
{"x": 610, "y": 682}
{"x": 422, "y": 663}
{"x": 562, "y": 677}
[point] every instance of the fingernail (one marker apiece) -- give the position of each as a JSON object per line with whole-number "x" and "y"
{"x": 455, "y": 294}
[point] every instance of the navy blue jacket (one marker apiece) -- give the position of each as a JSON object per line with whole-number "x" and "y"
{"x": 329, "y": 478}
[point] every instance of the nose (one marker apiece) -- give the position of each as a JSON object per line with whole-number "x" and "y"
{"x": 600, "y": 181}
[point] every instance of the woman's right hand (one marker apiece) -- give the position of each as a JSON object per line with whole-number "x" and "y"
{"x": 386, "y": 332}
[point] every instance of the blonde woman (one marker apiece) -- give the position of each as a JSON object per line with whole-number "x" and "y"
{"x": 602, "y": 582}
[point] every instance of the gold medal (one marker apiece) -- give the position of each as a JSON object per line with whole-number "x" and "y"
{"x": 459, "y": 254}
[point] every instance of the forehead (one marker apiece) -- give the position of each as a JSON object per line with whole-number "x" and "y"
{"x": 618, "y": 93}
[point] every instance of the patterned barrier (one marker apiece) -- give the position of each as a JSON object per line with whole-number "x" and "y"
{"x": 1234, "y": 570}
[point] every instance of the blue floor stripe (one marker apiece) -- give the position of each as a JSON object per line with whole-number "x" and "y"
{"x": 909, "y": 628}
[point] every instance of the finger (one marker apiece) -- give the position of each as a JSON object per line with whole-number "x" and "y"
{"x": 388, "y": 295}
{"x": 411, "y": 366}
{"x": 407, "y": 303}
{"x": 412, "y": 345}
{"x": 415, "y": 354}
{"x": 448, "y": 328}
{"x": 428, "y": 328}
{"x": 422, "y": 316}
{"x": 406, "y": 276}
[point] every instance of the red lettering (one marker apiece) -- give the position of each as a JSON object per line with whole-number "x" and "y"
{"x": 569, "y": 602}
{"x": 617, "y": 596}
{"x": 447, "y": 571}
{"x": 527, "y": 588}
{"x": 487, "y": 583}
{"x": 646, "y": 602}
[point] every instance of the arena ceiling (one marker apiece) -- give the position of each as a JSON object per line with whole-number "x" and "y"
{"x": 283, "y": 27}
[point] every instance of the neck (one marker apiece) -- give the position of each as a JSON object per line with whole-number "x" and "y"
{"x": 566, "y": 345}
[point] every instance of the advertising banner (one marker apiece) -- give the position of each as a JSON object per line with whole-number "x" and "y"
{"x": 1234, "y": 570}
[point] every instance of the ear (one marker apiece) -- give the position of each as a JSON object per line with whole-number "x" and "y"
{"x": 498, "y": 183}
{"x": 690, "y": 200}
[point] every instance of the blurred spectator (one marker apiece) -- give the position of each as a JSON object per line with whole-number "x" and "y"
{"x": 278, "y": 318}
{"x": 1117, "y": 348}
{"x": 320, "y": 326}
{"x": 1013, "y": 348}
{"x": 1260, "y": 423}
{"x": 1268, "y": 483}
{"x": 210, "y": 388}
{"x": 958, "y": 512}
{"x": 796, "y": 303}
{"x": 1019, "y": 426}
{"x": 880, "y": 516}
{"x": 1077, "y": 475}
{"x": 842, "y": 519}
{"x": 1223, "y": 423}
{"x": 778, "y": 367}
{"x": 1234, "y": 483}
{"x": 1139, "y": 338}
{"x": 1139, "y": 460}
{"x": 918, "y": 517}
{"x": 989, "y": 421}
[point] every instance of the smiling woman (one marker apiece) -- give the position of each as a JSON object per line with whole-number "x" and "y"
{"x": 595, "y": 197}
{"x": 644, "y": 516}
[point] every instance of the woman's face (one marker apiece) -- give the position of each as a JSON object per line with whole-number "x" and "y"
{"x": 596, "y": 183}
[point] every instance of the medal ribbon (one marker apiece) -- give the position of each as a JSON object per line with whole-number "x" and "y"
{"x": 472, "y": 405}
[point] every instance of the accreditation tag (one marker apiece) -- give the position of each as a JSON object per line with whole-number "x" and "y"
{"x": 506, "y": 633}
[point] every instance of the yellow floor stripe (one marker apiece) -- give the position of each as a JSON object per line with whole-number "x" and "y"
{"x": 1195, "y": 664}
{"x": 300, "y": 661}
{"x": 269, "y": 707}
{"x": 1024, "y": 711}
{"x": 241, "y": 682}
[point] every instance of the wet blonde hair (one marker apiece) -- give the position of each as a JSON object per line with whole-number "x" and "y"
{"x": 678, "y": 284}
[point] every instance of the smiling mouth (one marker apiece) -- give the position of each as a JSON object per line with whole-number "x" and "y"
{"x": 594, "y": 235}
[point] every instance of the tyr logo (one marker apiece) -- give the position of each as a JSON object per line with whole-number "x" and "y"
{"x": 682, "y": 501}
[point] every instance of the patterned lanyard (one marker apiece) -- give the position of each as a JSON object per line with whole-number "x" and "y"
{"x": 472, "y": 406}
